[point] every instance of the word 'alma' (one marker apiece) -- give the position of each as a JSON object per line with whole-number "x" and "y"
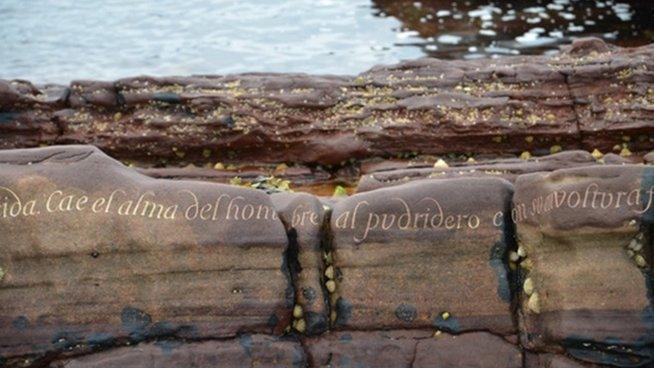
{"x": 147, "y": 205}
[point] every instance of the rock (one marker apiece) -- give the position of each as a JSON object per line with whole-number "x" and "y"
{"x": 613, "y": 96}
{"x": 405, "y": 255}
{"x": 304, "y": 218}
{"x": 583, "y": 231}
{"x": 505, "y": 168}
{"x": 96, "y": 254}
{"x": 403, "y": 348}
{"x": 302, "y": 178}
{"x": 244, "y": 351}
{"x": 553, "y": 361}
{"x": 509, "y": 105}
{"x": 649, "y": 158}
{"x": 26, "y": 113}
{"x": 85, "y": 93}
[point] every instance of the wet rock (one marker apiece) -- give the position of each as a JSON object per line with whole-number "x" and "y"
{"x": 554, "y": 361}
{"x": 244, "y": 351}
{"x": 85, "y": 93}
{"x": 26, "y": 113}
{"x": 613, "y": 97}
{"x": 505, "y": 168}
{"x": 585, "y": 236}
{"x": 581, "y": 99}
{"x": 649, "y": 158}
{"x": 401, "y": 348}
{"x": 304, "y": 218}
{"x": 427, "y": 254}
{"x": 95, "y": 254}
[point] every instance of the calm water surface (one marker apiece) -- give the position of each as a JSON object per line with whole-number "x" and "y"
{"x": 57, "y": 41}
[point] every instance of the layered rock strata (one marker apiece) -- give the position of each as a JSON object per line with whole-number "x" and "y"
{"x": 590, "y": 96}
{"x": 102, "y": 266}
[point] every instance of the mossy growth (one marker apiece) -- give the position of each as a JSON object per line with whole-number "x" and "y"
{"x": 269, "y": 184}
{"x": 340, "y": 191}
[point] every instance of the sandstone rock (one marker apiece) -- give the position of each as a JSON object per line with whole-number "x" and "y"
{"x": 244, "y": 351}
{"x": 506, "y": 168}
{"x": 585, "y": 236}
{"x": 511, "y": 105}
{"x": 302, "y": 178}
{"x": 427, "y": 254}
{"x": 553, "y": 361}
{"x": 613, "y": 96}
{"x": 403, "y": 348}
{"x": 649, "y": 158}
{"x": 304, "y": 218}
{"x": 26, "y": 113}
{"x": 95, "y": 254}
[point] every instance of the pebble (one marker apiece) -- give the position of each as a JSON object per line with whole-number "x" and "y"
{"x": 625, "y": 152}
{"x": 297, "y": 311}
{"x": 635, "y": 245}
{"x": 529, "y": 139}
{"x": 445, "y": 315}
{"x": 2, "y": 274}
{"x": 441, "y": 163}
{"x": 219, "y": 166}
{"x": 300, "y": 325}
{"x": 597, "y": 154}
{"x": 525, "y": 155}
{"x": 331, "y": 286}
{"x": 640, "y": 261}
{"x": 534, "y": 303}
{"x": 522, "y": 252}
{"x": 527, "y": 264}
{"x": 528, "y": 286}
{"x": 329, "y": 272}
{"x": 514, "y": 257}
{"x": 555, "y": 149}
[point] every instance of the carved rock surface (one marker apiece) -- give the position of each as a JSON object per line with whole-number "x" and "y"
{"x": 402, "y": 348}
{"x": 95, "y": 254}
{"x": 245, "y": 351}
{"x": 585, "y": 245}
{"x": 427, "y": 254}
{"x": 507, "y": 168}
{"x": 304, "y": 218}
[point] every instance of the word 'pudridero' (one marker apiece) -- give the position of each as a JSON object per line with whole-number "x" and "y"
{"x": 431, "y": 217}
{"x": 146, "y": 204}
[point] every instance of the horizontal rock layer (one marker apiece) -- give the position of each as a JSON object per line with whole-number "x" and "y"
{"x": 103, "y": 266}
{"x": 590, "y": 96}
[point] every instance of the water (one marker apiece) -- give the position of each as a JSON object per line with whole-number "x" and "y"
{"x": 57, "y": 41}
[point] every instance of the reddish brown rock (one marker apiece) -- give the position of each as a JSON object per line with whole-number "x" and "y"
{"x": 244, "y": 351}
{"x": 427, "y": 254}
{"x": 554, "y": 361}
{"x": 508, "y": 105}
{"x": 584, "y": 238}
{"x": 95, "y": 254}
{"x": 613, "y": 94}
{"x": 404, "y": 348}
{"x": 506, "y": 168}
{"x": 649, "y": 158}
{"x": 304, "y": 218}
{"x": 26, "y": 113}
